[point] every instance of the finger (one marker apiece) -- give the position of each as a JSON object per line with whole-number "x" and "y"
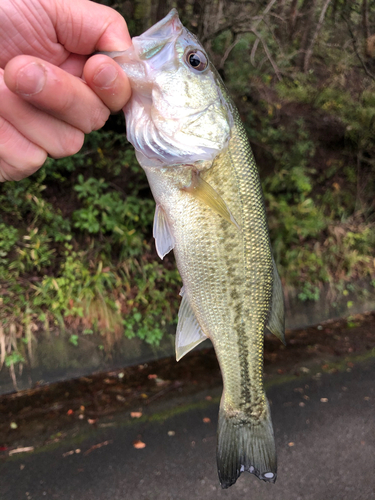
{"x": 58, "y": 138}
{"x": 106, "y": 78}
{"x": 19, "y": 157}
{"x": 73, "y": 64}
{"x": 55, "y": 91}
{"x": 85, "y": 27}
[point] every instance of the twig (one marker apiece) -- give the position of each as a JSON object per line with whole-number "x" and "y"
{"x": 253, "y": 51}
{"x": 229, "y": 50}
{"x": 268, "y": 54}
{"x": 310, "y": 48}
{"x": 355, "y": 47}
{"x": 265, "y": 12}
{"x": 96, "y": 446}
{"x": 241, "y": 20}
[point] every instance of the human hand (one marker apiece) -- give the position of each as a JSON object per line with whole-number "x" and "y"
{"x": 45, "y": 105}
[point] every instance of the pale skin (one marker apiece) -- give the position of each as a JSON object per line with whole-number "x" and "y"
{"x": 51, "y": 92}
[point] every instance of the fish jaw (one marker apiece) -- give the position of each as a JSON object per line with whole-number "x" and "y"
{"x": 176, "y": 115}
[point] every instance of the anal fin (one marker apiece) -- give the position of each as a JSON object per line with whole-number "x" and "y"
{"x": 276, "y": 320}
{"x": 189, "y": 333}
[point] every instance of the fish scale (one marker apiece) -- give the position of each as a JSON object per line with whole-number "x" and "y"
{"x": 191, "y": 143}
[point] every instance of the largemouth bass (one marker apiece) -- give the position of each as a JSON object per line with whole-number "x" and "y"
{"x": 190, "y": 141}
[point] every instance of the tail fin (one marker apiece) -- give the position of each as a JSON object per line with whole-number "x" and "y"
{"x": 245, "y": 447}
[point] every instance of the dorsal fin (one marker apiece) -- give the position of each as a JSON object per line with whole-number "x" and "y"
{"x": 276, "y": 320}
{"x": 189, "y": 333}
{"x": 164, "y": 240}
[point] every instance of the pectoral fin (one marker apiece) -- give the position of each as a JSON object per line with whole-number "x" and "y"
{"x": 207, "y": 194}
{"x": 189, "y": 333}
{"x": 276, "y": 321}
{"x": 164, "y": 240}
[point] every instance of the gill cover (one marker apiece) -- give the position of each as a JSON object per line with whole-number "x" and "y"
{"x": 176, "y": 114}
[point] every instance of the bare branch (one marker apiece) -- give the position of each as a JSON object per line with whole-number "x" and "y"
{"x": 265, "y": 12}
{"x": 310, "y": 48}
{"x": 268, "y": 54}
{"x": 366, "y": 30}
{"x": 236, "y": 40}
{"x": 355, "y": 47}
{"x": 253, "y": 51}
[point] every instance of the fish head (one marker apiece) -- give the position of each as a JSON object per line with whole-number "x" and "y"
{"x": 177, "y": 113}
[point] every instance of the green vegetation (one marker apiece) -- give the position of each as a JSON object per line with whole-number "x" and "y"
{"x": 76, "y": 247}
{"x": 76, "y": 252}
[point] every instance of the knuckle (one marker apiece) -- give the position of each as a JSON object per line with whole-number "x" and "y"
{"x": 70, "y": 144}
{"x": 66, "y": 104}
{"x": 35, "y": 162}
{"x": 99, "y": 117}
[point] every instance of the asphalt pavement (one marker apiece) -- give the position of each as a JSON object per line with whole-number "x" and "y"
{"x": 325, "y": 436}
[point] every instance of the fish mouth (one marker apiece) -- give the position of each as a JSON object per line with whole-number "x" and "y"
{"x": 170, "y": 26}
{"x": 152, "y": 41}
{"x": 149, "y": 44}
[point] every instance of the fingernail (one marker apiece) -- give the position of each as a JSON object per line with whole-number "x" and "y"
{"x": 105, "y": 77}
{"x": 30, "y": 79}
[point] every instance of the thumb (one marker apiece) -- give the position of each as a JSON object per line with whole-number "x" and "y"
{"x": 83, "y": 26}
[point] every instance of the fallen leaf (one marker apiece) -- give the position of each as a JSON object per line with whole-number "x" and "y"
{"x": 13, "y": 425}
{"x": 68, "y": 453}
{"x": 70, "y": 412}
{"x": 301, "y": 404}
{"x": 21, "y": 450}
{"x": 92, "y": 421}
{"x": 81, "y": 416}
{"x": 171, "y": 433}
{"x": 82, "y": 408}
{"x": 136, "y": 414}
{"x": 291, "y": 444}
{"x": 120, "y": 398}
{"x": 208, "y": 398}
{"x": 350, "y": 364}
{"x": 366, "y": 398}
{"x": 22, "y": 466}
{"x": 144, "y": 396}
{"x": 139, "y": 445}
{"x": 207, "y": 420}
{"x": 152, "y": 376}
{"x": 324, "y": 400}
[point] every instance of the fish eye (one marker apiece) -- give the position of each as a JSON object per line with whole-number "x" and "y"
{"x": 197, "y": 60}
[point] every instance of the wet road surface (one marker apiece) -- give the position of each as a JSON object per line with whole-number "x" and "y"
{"x": 325, "y": 436}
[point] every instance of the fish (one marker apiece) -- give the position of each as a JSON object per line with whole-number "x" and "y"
{"x": 190, "y": 141}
